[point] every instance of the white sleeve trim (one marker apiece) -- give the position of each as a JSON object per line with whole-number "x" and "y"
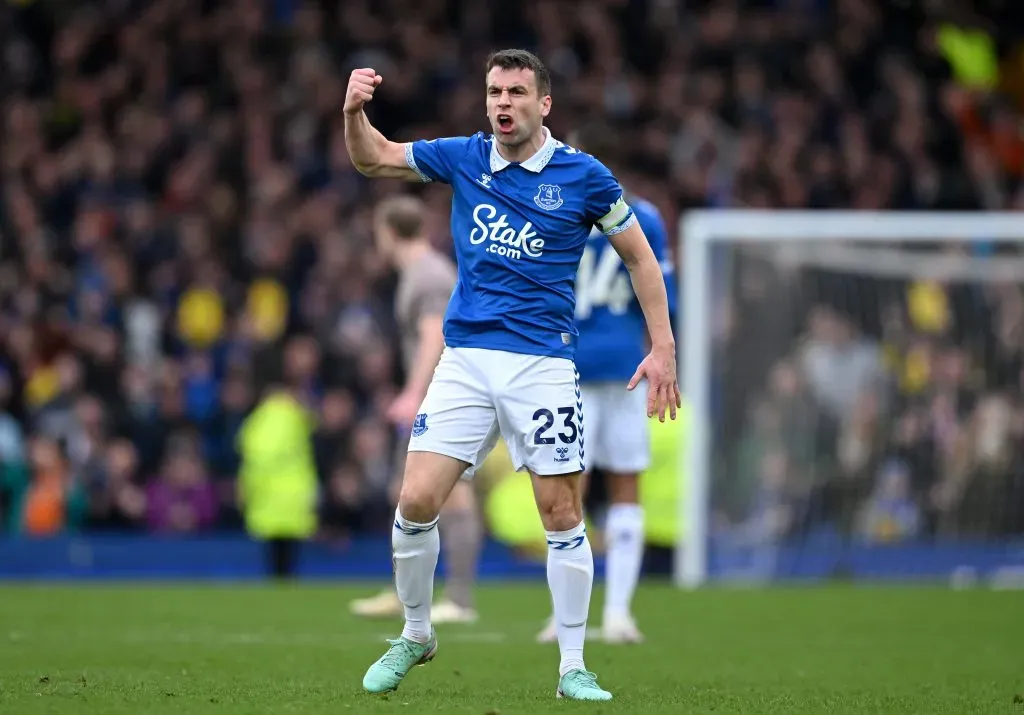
{"x": 410, "y": 160}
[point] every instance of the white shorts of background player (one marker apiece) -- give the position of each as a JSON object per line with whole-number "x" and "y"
{"x": 618, "y": 438}
{"x": 533, "y": 402}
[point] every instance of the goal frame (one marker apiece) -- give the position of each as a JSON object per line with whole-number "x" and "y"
{"x": 698, "y": 231}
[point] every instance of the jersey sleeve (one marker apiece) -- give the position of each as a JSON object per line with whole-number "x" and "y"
{"x": 654, "y": 228}
{"x": 436, "y": 159}
{"x": 606, "y": 207}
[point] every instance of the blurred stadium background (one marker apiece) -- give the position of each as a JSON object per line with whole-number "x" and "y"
{"x": 180, "y": 229}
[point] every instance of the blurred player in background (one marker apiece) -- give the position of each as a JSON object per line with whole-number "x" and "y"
{"x": 426, "y": 281}
{"x": 612, "y": 340}
{"x": 523, "y": 205}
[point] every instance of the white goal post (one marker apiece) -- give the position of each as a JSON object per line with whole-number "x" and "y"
{"x": 699, "y": 232}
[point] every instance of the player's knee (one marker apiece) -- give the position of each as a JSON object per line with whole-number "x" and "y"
{"x": 428, "y": 479}
{"x": 419, "y": 502}
{"x": 560, "y": 512}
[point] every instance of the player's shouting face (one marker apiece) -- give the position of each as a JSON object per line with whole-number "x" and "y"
{"x": 515, "y": 105}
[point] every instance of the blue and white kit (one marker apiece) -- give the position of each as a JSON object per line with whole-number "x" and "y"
{"x": 612, "y": 342}
{"x": 520, "y": 230}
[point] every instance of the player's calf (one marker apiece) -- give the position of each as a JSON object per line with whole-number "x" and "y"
{"x": 623, "y": 487}
{"x": 570, "y": 564}
{"x": 461, "y": 537}
{"x": 559, "y": 501}
{"x": 415, "y": 543}
{"x": 624, "y": 533}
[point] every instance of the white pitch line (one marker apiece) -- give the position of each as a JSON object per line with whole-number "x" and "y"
{"x": 256, "y": 638}
{"x": 243, "y": 638}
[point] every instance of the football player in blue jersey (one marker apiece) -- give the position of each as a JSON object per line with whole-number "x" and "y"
{"x": 523, "y": 205}
{"x": 612, "y": 341}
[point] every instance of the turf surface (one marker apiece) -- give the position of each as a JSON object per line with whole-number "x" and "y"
{"x": 108, "y": 650}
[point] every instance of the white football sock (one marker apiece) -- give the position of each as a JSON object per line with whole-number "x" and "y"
{"x": 415, "y": 548}
{"x": 625, "y": 534}
{"x": 571, "y": 579}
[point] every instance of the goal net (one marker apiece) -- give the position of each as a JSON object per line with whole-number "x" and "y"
{"x": 856, "y": 389}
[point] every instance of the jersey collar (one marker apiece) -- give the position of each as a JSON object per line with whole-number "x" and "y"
{"x": 535, "y": 163}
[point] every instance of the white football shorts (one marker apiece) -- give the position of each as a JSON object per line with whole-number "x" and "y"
{"x": 618, "y": 438}
{"x": 533, "y": 402}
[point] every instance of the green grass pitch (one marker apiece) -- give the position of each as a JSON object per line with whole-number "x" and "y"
{"x": 234, "y": 649}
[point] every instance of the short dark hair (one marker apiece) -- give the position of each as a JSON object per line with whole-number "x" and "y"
{"x": 599, "y": 139}
{"x": 521, "y": 60}
{"x": 402, "y": 214}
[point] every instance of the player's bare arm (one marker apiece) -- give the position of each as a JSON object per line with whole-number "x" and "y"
{"x": 431, "y": 345}
{"x": 371, "y": 152}
{"x": 659, "y": 367}
{"x": 431, "y": 331}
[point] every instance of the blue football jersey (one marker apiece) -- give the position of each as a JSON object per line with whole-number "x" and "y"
{"x": 612, "y": 329}
{"x": 519, "y": 231}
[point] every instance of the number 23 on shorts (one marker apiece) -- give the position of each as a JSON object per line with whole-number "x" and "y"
{"x": 546, "y": 420}
{"x": 558, "y": 436}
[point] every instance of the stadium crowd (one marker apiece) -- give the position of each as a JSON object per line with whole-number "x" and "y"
{"x": 864, "y": 395}
{"x": 181, "y": 228}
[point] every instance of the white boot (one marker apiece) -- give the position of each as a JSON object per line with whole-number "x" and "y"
{"x": 620, "y": 629}
{"x": 445, "y": 611}
{"x": 549, "y": 634}
{"x": 384, "y": 605}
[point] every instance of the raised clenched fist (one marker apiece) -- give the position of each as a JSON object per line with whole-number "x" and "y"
{"x": 361, "y": 84}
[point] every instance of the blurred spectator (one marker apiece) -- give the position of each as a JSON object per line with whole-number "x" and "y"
{"x": 118, "y": 501}
{"x": 890, "y": 513}
{"x": 278, "y": 485}
{"x": 840, "y": 366}
{"x": 180, "y": 498}
{"x": 348, "y": 507}
{"x": 51, "y": 501}
{"x": 13, "y": 458}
